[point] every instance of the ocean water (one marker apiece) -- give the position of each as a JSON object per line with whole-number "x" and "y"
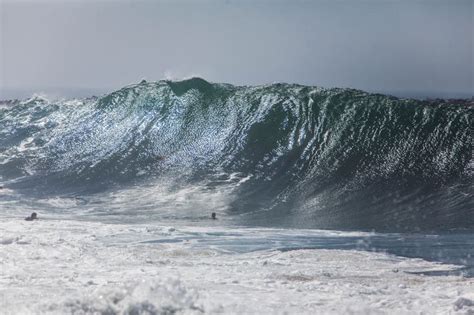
{"x": 288, "y": 169}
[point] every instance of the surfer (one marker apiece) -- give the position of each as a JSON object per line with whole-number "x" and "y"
{"x": 32, "y": 217}
{"x": 213, "y": 216}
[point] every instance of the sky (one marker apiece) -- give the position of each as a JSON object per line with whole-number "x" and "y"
{"x": 420, "y": 48}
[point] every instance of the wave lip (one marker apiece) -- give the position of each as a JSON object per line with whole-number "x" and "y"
{"x": 310, "y": 157}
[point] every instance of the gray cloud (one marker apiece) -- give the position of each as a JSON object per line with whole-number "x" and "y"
{"x": 402, "y": 47}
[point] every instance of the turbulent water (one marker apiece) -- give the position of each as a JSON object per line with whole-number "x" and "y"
{"x": 277, "y": 155}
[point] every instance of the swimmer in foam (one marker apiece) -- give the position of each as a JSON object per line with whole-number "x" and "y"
{"x": 213, "y": 216}
{"x": 32, "y": 217}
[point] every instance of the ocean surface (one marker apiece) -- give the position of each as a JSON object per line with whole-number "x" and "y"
{"x": 285, "y": 167}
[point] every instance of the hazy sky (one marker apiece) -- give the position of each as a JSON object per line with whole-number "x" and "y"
{"x": 84, "y": 47}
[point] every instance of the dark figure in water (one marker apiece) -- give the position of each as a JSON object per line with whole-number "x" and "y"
{"x": 32, "y": 217}
{"x": 213, "y": 216}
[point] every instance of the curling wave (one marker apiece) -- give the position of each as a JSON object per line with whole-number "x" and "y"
{"x": 290, "y": 155}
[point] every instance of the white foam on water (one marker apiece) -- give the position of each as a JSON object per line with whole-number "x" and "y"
{"x": 63, "y": 267}
{"x": 140, "y": 297}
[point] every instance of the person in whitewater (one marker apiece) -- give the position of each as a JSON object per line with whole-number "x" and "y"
{"x": 214, "y": 216}
{"x": 32, "y": 217}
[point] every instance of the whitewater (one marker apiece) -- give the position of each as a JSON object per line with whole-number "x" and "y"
{"x": 328, "y": 201}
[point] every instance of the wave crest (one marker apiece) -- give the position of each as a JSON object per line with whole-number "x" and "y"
{"x": 314, "y": 157}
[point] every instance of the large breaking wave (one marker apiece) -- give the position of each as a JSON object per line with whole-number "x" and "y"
{"x": 286, "y": 155}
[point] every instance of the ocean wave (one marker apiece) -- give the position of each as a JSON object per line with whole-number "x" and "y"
{"x": 298, "y": 156}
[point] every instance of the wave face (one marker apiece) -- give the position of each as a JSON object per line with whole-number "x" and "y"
{"x": 284, "y": 155}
